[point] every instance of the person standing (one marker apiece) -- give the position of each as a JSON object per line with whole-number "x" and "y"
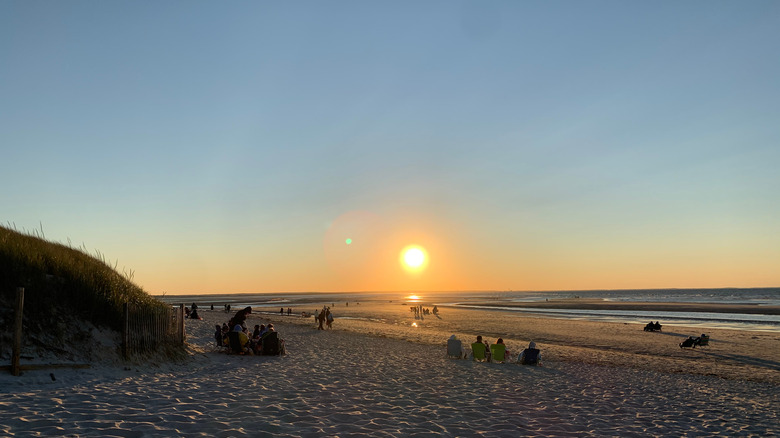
{"x": 329, "y": 319}
{"x": 321, "y": 320}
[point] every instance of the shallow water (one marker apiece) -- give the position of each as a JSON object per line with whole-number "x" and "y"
{"x": 501, "y": 300}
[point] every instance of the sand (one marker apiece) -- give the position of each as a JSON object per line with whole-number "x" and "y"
{"x": 384, "y": 377}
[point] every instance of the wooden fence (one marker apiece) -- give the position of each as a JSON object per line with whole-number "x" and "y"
{"x": 146, "y": 330}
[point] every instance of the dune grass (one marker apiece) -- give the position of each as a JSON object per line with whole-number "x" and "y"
{"x": 57, "y": 277}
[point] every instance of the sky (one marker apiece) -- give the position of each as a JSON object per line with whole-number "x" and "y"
{"x": 234, "y": 147}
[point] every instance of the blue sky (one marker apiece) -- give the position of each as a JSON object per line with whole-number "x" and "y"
{"x": 530, "y": 145}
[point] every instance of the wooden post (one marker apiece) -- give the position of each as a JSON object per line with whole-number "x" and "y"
{"x": 17, "y": 349}
{"x": 181, "y": 324}
{"x": 126, "y": 331}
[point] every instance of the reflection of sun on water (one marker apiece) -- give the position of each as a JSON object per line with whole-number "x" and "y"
{"x": 414, "y": 324}
{"x": 413, "y": 298}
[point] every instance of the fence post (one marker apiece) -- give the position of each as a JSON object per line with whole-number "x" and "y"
{"x": 17, "y": 349}
{"x": 181, "y": 324}
{"x": 126, "y": 331}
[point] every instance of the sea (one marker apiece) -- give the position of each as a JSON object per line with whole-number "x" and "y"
{"x": 511, "y": 301}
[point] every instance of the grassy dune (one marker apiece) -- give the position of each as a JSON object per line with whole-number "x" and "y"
{"x": 58, "y": 278}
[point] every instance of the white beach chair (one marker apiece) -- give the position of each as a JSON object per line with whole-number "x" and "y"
{"x": 455, "y": 348}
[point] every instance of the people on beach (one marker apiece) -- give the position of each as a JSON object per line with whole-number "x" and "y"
{"x": 688, "y": 343}
{"x": 479, "y": 350}
{"x": 530, "y": 355}
{"x": 321, "y": 319}
{"x": 270, "y": 343}
{"x": 653, "y": 326}
{"x": 455, "y": 348}
{"x": 498, "y": 351}
{"x": 329, "y": 319}
{"x": 240, "y": 317}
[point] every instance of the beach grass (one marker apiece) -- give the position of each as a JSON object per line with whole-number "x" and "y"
{"x": 58, "y": 277}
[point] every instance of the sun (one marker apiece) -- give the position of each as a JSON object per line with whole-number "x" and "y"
{"x": 414, "y": 258}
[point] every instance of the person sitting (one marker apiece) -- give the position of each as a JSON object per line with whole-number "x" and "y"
{"x": 455, "y": 347}
{"x": 266, "y": 329}
{"x": 702, "y": 340}
{"x": 498, "y": 351}
{"x": 688, "y": 343}
{"x": 530, "y": 356}
{"x": 239, "y": 341}
{"x": 478, "y": 350}
{"x": 271, "y": 343}
{"x": 650, "y": 326}
{"x": 657, "y": 326}
{"x": 501, "y": 341}
{"x": 240, "y": 317}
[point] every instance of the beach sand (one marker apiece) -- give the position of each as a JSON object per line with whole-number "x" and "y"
{"x": 732, "y": 354}
{"x": 376, "y": 374}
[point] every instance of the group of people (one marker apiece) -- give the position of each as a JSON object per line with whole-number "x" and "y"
{"x": 692, "y": 342}
{"x": 235, "y": 335}
{"x": 481, "y": 350}
{"x": 192, "y": 312}
{"x": 420, "y": 311}
{"x": 653, "y": 326}
{"x": 324, "y": 317}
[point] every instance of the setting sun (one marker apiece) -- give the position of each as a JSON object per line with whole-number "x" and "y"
{"x": 414, "y": 258}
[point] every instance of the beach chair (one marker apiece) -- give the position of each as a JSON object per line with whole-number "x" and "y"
{"x": 455, "y": 349}
{"x": 237, "y": 342}
{"x": 272, "y": 345}
{"x": 478, "y": 351}
{"x": 497, "y": 352}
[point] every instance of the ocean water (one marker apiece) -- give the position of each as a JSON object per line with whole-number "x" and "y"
{"x": 500, "y": 301}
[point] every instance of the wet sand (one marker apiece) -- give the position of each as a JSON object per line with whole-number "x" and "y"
{"x": 596, "y": 304}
